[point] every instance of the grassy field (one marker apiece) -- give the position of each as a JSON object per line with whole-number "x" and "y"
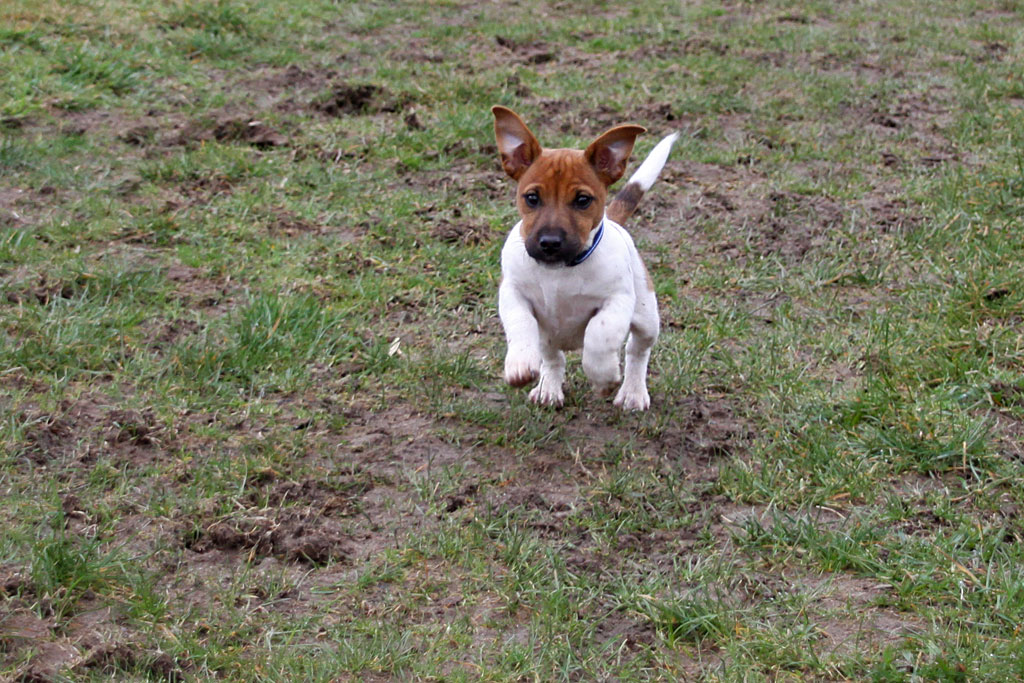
{"x": 251, "y": 419}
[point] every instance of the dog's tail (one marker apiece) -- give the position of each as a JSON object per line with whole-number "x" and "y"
{"x": 625, "y": 201}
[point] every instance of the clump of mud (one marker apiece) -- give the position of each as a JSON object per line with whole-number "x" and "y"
{"x": 348, "y": 99}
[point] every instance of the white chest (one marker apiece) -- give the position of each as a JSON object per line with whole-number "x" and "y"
{"x": 564, "y": 299}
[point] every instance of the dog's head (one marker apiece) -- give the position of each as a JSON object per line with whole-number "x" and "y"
{"x": 562, "y": 192}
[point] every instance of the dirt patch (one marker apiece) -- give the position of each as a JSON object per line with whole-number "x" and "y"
{"x": 337, "y": 517}
{"x": 625, "y": 633}
{"x": 461, "y": 232}
{"x": 22, "y": 632}
{"x": 197, "y": 191}
{"x": 14, "y": 122}
{"x": 79, "y": 430}
{"x": 250, "y": 132}
{"x": 53, "y": 437}
{"x": 169, "y": 333}
{"x": 227, "y": 128}
{"x": 690, "y": 45}
{"x": 888, "y": 214}
{"x": 45, "y": 289}
{"x": 705, "y": 428}
{"x": 104, "y": 123}
{"x": 779, "y": 223}
{"x": 140, "y": 134}
{"x": 293, "y": 535}
{"x": 734, "y": 213}
{"x": 21, "y": 628}
{"x": 298, "y": 90}
{"x": 917, "y": 123}
{"x": 195, "y": 290}
{"x": 11, "y": 200}
{"x": 794, "y": 224}
{"x": 286, "y": 223}
{"x": 338, "y": 496}
{"x": 114, "y": 658}
{"x": 850, "y": 619}
{"x": 355, "y": 99}
{"x": 526, "y": 52}
{"x": 465, "y": 179}
{"x": 173, "y": 130}
{"x": 284, "y": 89}
{"x": 295, "y": 521}
{"x": 543, "y": 498}
{"x": 561, "y": 117}
{"x": 133, "y": 427}
{"x": 91, "y": 641}
{"x": 14, "y": 582}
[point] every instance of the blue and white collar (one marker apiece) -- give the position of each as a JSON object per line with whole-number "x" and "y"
{"x": 580, "y": 258}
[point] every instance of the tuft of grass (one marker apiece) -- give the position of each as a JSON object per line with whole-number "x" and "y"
{"x": 694, "y": 618}
{"x": 64, "y": 569}
{"x": 217, "y": 18}
{"x": 86, "y": 66}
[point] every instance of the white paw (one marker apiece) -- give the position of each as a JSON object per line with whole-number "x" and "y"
{"x": 604, "y": 376}
{"x": 637, "y": 399}
{"x": 521, "y": 368}
{"x": 548, "y": 393}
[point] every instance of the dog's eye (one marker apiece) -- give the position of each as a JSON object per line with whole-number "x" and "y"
{"x": 532, "y": 199}
{"x": 582, "y": 201}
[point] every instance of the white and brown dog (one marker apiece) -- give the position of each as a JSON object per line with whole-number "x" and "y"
{"x": 571, "y": 275}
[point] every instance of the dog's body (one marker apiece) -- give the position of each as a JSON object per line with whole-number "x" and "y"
{"x": 571, "y": 275}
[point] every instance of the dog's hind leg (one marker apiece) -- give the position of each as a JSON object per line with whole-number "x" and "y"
{"x": 643, "y": 332}
{"x": 602, "y": 341}
{"x": 548, "y": 391}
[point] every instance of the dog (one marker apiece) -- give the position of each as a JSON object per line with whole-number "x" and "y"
{"x": 571, "y": 275}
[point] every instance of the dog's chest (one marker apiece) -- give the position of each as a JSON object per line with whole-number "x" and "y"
{"x": 564, "y": 299}
{"x": 563, "y": 306}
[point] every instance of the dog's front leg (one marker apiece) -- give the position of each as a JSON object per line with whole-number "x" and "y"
{"x": 522, "y": 359}
{"x": 601, "y": 343}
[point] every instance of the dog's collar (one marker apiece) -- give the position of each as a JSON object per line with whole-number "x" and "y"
{"x": 580, "y": 258}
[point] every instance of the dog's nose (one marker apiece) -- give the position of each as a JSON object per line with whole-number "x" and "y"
{"x": 550, "y": 243}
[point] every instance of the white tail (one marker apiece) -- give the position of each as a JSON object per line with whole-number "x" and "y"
{"x": 629, "y": 196}
{"x": 655, "y": 161}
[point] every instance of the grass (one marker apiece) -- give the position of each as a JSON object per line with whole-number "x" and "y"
{"x": 251, "y": 418}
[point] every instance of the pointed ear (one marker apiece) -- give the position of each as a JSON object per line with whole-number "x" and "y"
{"x": 609, "y": 153}
{"x": 516, "y": 143}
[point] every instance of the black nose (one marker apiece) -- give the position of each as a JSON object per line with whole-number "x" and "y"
{"x": 549, "y": 243}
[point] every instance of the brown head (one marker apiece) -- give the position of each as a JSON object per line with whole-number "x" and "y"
{"x": 562, "y": 192}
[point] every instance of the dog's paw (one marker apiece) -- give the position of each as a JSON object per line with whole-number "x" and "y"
{"x": 548, "y": 394}
{"x": 633, "y": 399}
{"x": 603, "y": 372}
{"x": 520, "y": 370}
{"x": 606, "y": 385}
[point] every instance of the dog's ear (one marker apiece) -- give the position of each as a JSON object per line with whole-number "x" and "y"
{"x": 516, "y": 143}
{"x": 609, "y": 153}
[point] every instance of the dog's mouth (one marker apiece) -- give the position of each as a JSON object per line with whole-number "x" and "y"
{"x": 550, "y": 259}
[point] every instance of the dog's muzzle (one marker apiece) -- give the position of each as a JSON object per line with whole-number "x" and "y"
{"x": 552, "y": 245}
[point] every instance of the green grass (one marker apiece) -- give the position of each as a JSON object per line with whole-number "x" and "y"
{"x": 251, "y": 419}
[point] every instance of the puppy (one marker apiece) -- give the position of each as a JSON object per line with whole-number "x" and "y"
{"x": 571, "y": 276}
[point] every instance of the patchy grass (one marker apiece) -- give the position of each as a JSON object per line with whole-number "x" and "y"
{"x": 251, "y": 422}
